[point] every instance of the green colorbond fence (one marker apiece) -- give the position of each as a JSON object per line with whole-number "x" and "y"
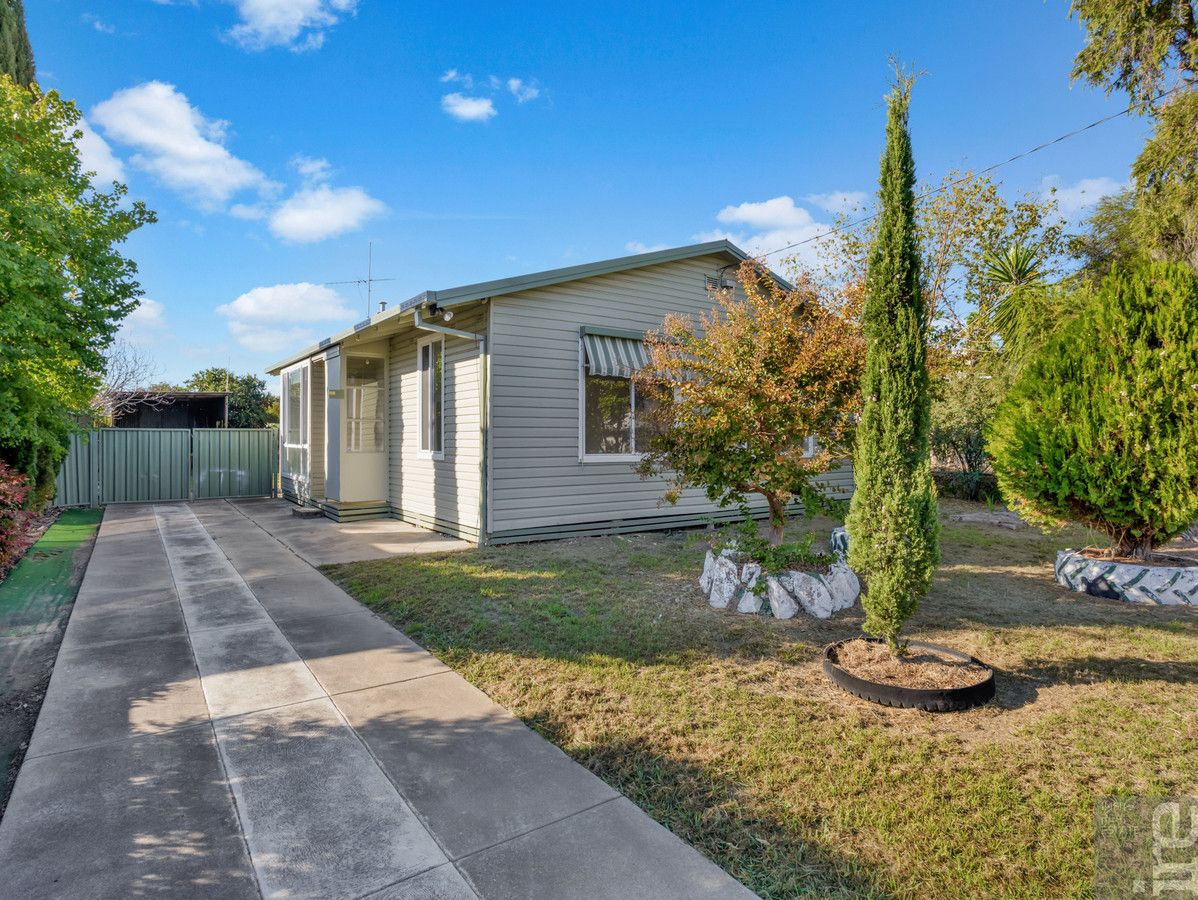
{"x": 234, "y": 462}
{"x": 145, "y": 465}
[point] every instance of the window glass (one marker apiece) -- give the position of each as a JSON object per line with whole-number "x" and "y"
{"x": 295, "y": 404}
{"x": 363, "y": 398}
{"x": 607, "y": 416}
{"x": 432, "y": 387}
{"x": 648, "y": 417}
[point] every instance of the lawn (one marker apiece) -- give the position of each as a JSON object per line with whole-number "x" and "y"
{"x": 35, "y": 600}
{"x": 722, "y": 727}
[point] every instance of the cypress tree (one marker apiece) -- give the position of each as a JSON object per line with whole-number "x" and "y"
{"x": 16, "y": 54}
{"x": 1101, "y": 426}
{"x": 892, "y": 523}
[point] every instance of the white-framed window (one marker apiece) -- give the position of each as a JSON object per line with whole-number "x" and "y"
{"x": 430, "y": 365}
{"x": 614, "y": 421}
{"x": 365, "y": 426}
{"x": 295, "y": 422}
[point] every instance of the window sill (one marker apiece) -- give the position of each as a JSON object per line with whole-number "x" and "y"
{"x": 429, "y": 454}
{"x": 611, "y": 457}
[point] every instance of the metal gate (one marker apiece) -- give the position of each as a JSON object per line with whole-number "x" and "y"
{"x": 145, "y": 465}
{"x": 234, "y": 462}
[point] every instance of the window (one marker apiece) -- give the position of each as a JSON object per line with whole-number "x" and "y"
{"x": 608, "y": 426}
{"x": 295, "y": 422}
{"x": 295, "y": 406}
{"x": 617, "y": 415}
{"x": 431, "y": 355}
{"x": 363, "y": 405}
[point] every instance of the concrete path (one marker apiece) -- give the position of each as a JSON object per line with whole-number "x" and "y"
{"x": 323, "y": 542}
{"x": 224, "y": 721}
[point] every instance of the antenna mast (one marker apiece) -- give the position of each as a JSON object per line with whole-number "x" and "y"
{"x": 369, "y": 280}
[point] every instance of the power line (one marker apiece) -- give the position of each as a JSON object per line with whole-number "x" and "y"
{"x": 998, "y": 165}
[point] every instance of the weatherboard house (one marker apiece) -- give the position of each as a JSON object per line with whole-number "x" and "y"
{"x": 499, "y": 411}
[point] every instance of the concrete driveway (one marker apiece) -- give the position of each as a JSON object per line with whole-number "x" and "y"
{"x": 224, "y": 721}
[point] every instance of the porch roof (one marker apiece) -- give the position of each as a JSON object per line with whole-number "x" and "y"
{"x": 472, "y": 292}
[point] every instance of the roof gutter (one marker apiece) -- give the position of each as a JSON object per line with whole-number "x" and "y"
{"x": 484, "y": 406}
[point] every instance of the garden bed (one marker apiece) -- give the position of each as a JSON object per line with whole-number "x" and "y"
{"x": 724, "y": 728}
{"x": 35, "y": 602}
{"x": 922, "y": 667}
{"x": 1161, "y": 580}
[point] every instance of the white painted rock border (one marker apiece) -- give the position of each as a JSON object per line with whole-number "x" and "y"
{"x": 1154, "y": 585}
{"x": 728, "y": 580}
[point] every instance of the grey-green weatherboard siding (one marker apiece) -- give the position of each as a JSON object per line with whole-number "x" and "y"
{"x": 443, "y": 494}
{"x": 538, "y": 488}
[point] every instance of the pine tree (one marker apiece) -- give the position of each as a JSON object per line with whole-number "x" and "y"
{"x": 892, "y": 524}
{"x": 16, "y": 54}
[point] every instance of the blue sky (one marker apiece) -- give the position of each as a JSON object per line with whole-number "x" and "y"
{"x": 275, "y": 138}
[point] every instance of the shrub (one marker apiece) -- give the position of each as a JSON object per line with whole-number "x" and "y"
{"x": 962, "y": 407}
{"x": 975, "y": 486}
{"x": 745, "y": 537}
{"x": 1101, "y": 428}
{"x": 739, "y": 393}
{"x": 14, "y": 488}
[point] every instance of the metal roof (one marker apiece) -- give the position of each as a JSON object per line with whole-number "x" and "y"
{"x": 471, "y": 292}
{"x": 174, "y": 395}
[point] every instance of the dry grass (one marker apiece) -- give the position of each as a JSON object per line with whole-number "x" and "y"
{"x": 723, "y": 727}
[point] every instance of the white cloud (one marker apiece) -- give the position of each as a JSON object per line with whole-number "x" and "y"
{"x": 251, "y": 212}
{"x": 272, "y": 340}
{"x": 299, "y": 302}
{"x": 297, "y": 24}
{"x": 146, "y": 324}
{"x": 176, "y": 143}
{"x": 95, "y": 155}
{"x": 319, "y": 212}
{"x": 837, "y": 202}
{"x": 523, "y": 91}
{"x": 641, "y": 247}
{"x": 453, "y": 76}
{"x": 1082, "y": 195}
{"x": 311, "y": 168}
{"x": 779, "y": 212}
{"x": 99, "y": 24}
{"x": 468, "y": 109}
{"x": 479, "y": 104}
{"x": 275, "y": 318}
{"x": 767, "y": 226}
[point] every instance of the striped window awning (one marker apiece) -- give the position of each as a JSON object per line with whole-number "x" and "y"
{"x": 614, "y": 356}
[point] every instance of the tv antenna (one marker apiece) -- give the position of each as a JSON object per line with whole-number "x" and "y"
{"x": 369, "y": 280}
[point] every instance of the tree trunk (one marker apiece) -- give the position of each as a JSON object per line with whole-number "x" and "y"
{"x": 1135, "y": 547}
{"x": 777, "y": 518}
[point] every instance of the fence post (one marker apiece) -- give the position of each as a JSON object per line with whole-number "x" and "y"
{"x": 93, "y": 458}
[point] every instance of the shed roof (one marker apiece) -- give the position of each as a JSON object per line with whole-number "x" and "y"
{"x": 174, "y": 395}
{"x": 498, "y": 287}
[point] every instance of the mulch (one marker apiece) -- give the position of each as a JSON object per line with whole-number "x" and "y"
{"x": 919, "y": 668}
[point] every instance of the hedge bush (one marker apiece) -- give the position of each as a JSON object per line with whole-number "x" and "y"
{"x": 1102, "y": 426}
{"x": 14, "y": 489}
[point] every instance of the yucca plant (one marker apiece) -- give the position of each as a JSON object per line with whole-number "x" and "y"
{"x": 1018, "y": 271}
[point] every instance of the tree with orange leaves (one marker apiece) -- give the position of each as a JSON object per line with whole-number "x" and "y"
{"x": 739, "y": 394}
